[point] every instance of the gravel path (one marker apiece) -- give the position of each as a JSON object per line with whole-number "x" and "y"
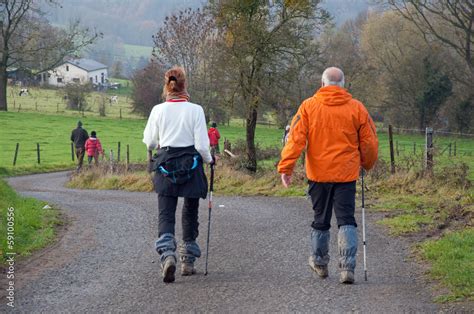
{"x": 105, "y": 260}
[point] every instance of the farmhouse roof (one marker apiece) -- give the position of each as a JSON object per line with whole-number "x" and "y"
{"x": 87, "y": 64}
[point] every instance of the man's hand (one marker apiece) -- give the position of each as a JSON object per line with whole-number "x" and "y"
{"x": 286, "y": 179}
{"x": 214, "y": 160}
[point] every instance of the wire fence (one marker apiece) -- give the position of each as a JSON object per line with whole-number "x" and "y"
{"x": 40, "y": 154}
{"x": 421, "y": 131}
{"x": 397, "y": 147}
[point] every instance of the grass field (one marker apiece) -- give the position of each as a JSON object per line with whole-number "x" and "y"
{"x": 49, "y": 101}
{"x": 52, "y": 131}
{"x": 136, "y": 51}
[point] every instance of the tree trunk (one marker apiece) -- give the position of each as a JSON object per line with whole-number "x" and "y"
{"x": 250, "y": 128}
{"x": 3, "y": 88}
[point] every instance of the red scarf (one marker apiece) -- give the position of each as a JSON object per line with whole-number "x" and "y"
{"x": 182, "y": 95}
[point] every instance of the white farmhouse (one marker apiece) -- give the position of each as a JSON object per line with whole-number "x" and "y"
{"x": 76, "y": 71}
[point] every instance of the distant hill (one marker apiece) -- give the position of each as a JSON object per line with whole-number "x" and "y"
{"x": 132, "y": 21}
{"x": 128, "y": 25}
{"x": 135, "y": 21}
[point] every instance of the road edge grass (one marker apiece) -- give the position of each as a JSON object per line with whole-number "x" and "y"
{"x": 29, "y": 225}
{"x": 452, "y": 263}
{"x": 35, "y": 169}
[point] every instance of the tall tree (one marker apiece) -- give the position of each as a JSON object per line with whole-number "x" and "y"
{"x": 437, "y": 88}
{"x": 261, "y": 38}
{"x": 27, "y": 40}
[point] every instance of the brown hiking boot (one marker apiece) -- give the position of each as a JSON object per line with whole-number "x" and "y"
{"x": 187, "y": 269}
{"x": 347, "y": 277}
{"x": 169, "y": 268}
{"x": 321, "y": 270}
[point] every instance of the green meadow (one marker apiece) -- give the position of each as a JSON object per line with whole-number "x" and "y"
{"x": 49, "y": 101}
{"x": 52, "y": 132}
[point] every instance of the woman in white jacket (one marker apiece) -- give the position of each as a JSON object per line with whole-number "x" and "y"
{"x": 177, "y": 129}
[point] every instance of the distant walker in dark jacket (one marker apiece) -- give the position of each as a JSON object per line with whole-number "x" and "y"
{"x": 79, "y": 136}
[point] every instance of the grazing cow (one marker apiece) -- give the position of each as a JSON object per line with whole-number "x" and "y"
{"x": 113, "y": 99}
{"x": 23, "y": 92}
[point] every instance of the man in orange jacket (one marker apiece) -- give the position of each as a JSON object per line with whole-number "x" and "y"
{"x": 339, "y": 137}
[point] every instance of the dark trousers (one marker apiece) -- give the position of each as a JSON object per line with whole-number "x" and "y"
{"x": 325, "y": 196}
{"x": 80, "y": 156}
{"x": 189, "y": 218}
{"x": 95, "y": 158}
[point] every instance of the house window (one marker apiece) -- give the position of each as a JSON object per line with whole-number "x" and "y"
{"x": 76, "y": 80}
{"x": 91, "y": 79}
{"x": 102, "y": 78}
{"x": 60, "y": 79}
{"x": 67, "y": 67}
{"x": 96, "y": 78}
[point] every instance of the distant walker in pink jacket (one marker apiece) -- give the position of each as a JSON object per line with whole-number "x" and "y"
{"x": 93, "y": 148}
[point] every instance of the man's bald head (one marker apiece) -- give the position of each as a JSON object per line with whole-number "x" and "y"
{"x": 333, "y": 76}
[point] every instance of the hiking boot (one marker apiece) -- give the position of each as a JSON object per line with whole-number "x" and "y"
{"x": 347, "y": 277}
{"x": 321, "y": 270}
{"x": 169, "y": 268}
{"x": 187, "y": 269}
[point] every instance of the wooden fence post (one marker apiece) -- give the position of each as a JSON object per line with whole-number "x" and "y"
{"x": 128, "y": 156}
{"x": 449, "y": 149}
{"x": 392, "y": 156}
{"x": 396, "y": 148}
{"x": 120, "y": 113}
{"x": 38, "y": 152}
{"x": 111, "y": 160}
{"x": 454, "y": 148}
{"x": 72, "y": 151}
{"x": 414, "y": 148}
{"x": 429, "y": 149}
{"x": 16, "y": 153}
{"x": 118, "y": 152}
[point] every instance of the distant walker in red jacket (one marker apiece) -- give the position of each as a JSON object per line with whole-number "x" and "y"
{"x": 93, "y": 148}
{"x": 214, "y": 137}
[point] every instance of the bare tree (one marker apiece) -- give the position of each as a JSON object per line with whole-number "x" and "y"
{"x": 27, "y": 40}
{"x": 189, "y": 39}
{"x": 450, "y": 22}
{"x": 147, "y": 88}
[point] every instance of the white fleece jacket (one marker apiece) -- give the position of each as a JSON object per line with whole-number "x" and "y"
{"x": 178, "y": 124}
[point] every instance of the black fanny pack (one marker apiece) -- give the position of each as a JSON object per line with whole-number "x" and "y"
{"x": 177, "y": 165}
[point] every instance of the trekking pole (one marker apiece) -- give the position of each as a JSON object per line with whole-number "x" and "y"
{"x": 211, "y": 189}
{"x": 363, "y": 227}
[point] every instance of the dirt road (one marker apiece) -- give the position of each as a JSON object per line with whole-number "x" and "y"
{"x": 105, "y": 260}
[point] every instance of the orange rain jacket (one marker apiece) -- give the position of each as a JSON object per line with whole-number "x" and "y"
{"x": 339, "y": 135}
